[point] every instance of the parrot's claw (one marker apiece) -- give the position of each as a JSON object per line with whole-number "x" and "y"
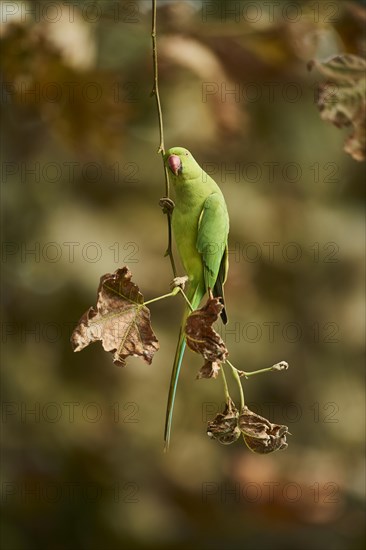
{"x": 167, "y": 205}
{"x": 179, "y": 282}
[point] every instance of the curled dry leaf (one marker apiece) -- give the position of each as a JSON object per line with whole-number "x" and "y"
{"x": 202, "y": 338}
{"x": 224, "y": 427}
{"x": 120, "y": 320}
{"x": 209, "y": 370}
{"x": 341, "y": 99}
{"x": 260, "y": 435}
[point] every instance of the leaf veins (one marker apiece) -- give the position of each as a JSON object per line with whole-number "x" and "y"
{"x": 120, "y": 321}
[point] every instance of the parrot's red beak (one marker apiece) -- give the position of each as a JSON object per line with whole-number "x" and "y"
{"x": 174, "y": 164}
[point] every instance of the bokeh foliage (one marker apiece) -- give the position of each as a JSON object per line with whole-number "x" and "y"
{"x": 80, "y": 166}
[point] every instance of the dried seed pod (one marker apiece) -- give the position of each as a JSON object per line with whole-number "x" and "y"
{"x": 224, "y": 427}
{"x": 260, "y": 435}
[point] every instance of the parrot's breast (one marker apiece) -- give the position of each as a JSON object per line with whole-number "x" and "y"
{"x": 185, "y": 229}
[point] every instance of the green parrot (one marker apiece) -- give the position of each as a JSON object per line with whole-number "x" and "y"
{"x": 200, "y": 224}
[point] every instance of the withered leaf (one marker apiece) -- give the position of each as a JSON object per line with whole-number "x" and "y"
{"x": 120, "y": 320}
{"x": 203, "y": 339}
{"x": 260, "y": 435}
{"x": 342, "y": 100}
{"x": 210, "y": 369}
{"x": 224, "y": 427}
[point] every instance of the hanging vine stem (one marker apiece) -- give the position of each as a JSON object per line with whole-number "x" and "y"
{"x": 161, "y": 150}
{"x": 174, "y": 292}
{"x": 240, "y": 387}
{"x": 226, "y": 389}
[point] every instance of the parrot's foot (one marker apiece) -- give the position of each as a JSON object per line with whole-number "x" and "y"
{"x": 167, "y": 205}
{"x": 179, "y": 282}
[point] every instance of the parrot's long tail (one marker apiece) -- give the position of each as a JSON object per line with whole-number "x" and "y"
{"x": 181, "y": 346}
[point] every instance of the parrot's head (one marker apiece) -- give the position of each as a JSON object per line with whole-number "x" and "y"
{"x": 181, "y": 163}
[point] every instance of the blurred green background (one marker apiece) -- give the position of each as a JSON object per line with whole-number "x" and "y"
{"x": 82, "y": 463}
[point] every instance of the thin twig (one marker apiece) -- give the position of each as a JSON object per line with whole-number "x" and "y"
{"x": 185, "y": 297}
{"x": 161, "y": 150}
{"x": 172, "y": 293}
{"x": 226, "y": 389}
{"x": 282, "y": 365}
{"x": 238, "y": 381}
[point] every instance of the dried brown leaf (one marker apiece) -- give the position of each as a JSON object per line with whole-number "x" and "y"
{"x": 210, "y": 369}
{"x": 120, "y": 320}
{"x": 342, "y": 101}
{"x": 202, "y": 338}
{"x": 224, "y": 427}
{"x": 260, "y": 435}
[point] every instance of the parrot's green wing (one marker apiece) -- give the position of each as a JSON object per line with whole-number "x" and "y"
{"x": 213, "y": 229}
